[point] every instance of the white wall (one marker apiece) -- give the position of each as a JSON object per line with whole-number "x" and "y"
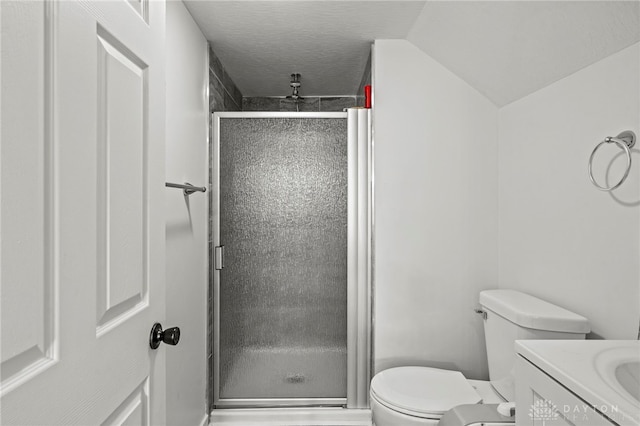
{"x": 560, "y": 238}
{"x": 436, "y": 211}
{"x": 186, "y": 228}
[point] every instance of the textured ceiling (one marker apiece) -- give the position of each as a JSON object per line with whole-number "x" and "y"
{"x": 505, "y": 49}
{"x": 509, "y": 49}
{"x": 261, "y": 43}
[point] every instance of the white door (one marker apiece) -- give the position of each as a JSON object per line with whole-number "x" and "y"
{"x": 81, "y": 220}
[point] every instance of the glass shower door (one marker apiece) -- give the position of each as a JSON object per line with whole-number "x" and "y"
{"x": 281, "y": 321}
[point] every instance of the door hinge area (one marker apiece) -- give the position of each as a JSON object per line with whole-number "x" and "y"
{"x": 218, "y": 257}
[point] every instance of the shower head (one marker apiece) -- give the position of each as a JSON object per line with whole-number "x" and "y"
{"x": 295, "y": 80}
{"x": 295, "y": 86}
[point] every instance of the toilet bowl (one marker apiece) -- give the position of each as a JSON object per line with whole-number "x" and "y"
{"x": 420, "y": 396}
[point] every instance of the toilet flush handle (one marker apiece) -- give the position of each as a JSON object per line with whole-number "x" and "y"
{"x": 481, "y": 312}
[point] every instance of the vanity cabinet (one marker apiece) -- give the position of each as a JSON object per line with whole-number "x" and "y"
{"x": 543, "y": 401}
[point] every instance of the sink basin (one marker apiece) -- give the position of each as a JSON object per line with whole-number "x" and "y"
{"x": 628, "y": 376}
{"x": 605, "y": 374}
{"x": 619, "y": 367}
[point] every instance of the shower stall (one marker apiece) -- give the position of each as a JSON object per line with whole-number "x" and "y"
{"x": 291, "y": 227}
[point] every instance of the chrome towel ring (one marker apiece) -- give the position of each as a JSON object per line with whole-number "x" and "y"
{"x": 625, "y": 140}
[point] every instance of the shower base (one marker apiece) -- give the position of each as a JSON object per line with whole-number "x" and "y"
{"x": 282, "y": 373}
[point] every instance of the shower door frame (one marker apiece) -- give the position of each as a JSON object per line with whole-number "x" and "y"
{"x": 359, "y": 264}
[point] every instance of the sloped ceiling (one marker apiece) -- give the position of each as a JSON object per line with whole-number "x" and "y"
{"x": 509, "y": 49}
{"x": 504, "y": 49}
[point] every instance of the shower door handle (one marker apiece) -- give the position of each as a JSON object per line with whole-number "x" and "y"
{"x": 218, "y": 257}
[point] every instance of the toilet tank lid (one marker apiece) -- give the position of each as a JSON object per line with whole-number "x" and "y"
{"x": 531, "y": 312}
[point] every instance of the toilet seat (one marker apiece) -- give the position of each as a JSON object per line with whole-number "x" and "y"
{"x": 422, "y": 391}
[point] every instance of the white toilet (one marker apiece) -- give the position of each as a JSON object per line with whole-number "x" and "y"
{"x": 407, "y": 396}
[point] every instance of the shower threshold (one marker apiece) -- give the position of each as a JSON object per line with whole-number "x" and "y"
{"x": 291, "y": 416}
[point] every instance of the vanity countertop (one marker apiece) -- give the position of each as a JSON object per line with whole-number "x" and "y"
{"x": 601, "y": 372}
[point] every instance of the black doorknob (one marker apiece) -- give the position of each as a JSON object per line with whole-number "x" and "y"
{"x": 170, "y": 336}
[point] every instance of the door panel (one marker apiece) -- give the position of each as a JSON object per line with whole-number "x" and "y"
{"x": 28, "y": 338}
{"x": 134, "y": 410}
{"x": 122, "y": 105}
{"x": 82, "y": 229}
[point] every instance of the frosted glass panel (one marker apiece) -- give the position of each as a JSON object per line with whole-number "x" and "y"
{"x": 283, "y": 289}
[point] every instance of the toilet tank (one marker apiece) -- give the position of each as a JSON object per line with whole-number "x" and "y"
{"x": 512, "y": 315}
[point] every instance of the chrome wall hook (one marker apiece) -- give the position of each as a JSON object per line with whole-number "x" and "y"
{"x": 187, "y": 188}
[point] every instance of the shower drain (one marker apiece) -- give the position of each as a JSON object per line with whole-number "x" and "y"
{"x": 295, "y": 378}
